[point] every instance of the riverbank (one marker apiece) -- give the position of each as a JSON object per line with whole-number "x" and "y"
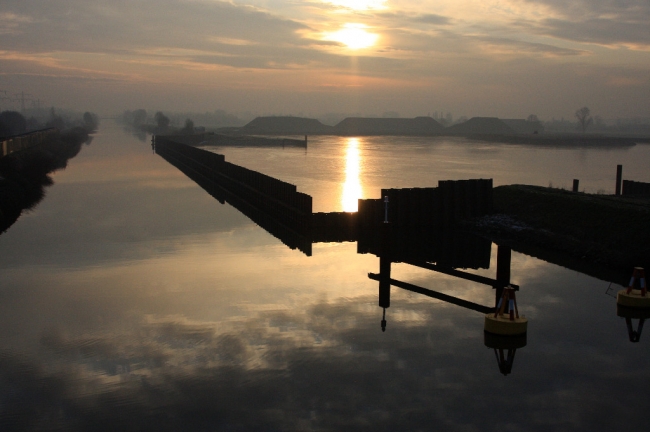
{"x": 562, "y": 140}
{"x": 602, "y": 235}
{"x": 24, "y": 173}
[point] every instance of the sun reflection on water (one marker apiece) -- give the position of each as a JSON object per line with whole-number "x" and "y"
{"x": 352, "y": 189}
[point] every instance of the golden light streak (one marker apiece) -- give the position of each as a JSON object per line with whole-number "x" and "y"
{"x": 352, "y": 189}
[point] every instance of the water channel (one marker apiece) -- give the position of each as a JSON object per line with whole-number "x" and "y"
{"x": 131, "y": 299}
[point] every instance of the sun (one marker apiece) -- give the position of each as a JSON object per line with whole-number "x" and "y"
{"x": 354, "y": 36}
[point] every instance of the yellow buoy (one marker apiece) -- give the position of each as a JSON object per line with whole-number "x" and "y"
{"x": 632, "y": 313}
{"x": 633, "y": 299}
{"x": 497, "y": 341}
{"x": 503, "y": 325}
{"x": 505, "y": 320}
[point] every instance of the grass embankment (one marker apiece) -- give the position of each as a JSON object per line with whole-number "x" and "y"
{"x": 601, "y": 230}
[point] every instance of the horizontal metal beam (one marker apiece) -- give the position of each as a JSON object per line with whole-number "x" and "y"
{"x": 435, "y": 294}
{"x": 464, "y": 275}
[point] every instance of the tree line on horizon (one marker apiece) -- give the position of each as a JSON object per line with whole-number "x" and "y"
{"x": 185, "y": 122}
{"x": 15, "y": 123}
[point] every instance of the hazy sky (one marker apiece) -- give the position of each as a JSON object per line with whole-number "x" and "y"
{"x": 506, "y": 58}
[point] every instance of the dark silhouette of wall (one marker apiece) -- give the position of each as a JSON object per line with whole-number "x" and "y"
{"x": 634, "y": 188}
{"x": 418, "y": 215}
{"x": 442, "y": 207}
{"x": 271, "y": 203}
{"x": 448, "y": 249}
{"x": 219, "y": 140}
{"x": 14, "y": 143}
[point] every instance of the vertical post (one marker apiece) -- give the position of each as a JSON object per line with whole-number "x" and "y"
{"x": 576, "y": 182}
{"x": 619, "y": 178}
{"x": 504, "y": 256}
{"x": 384, "y": 271}
{"x": 384, "y": 282}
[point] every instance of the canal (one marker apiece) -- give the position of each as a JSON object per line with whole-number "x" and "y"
{"x": 131, "y": 299}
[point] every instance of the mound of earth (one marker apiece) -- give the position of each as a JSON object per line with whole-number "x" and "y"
{"x": 286, "y": 126}
{"x": 418, "y": 126}
{"x": 480, "y": 126}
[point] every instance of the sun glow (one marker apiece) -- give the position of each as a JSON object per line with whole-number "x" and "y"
{"x": 354, "y": 36}
{"x": 352, "y": 189}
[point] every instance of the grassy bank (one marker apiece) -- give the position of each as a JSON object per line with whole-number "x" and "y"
{"x": 598, "y": 230}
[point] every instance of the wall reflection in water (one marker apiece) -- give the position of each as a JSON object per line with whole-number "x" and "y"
{"x": 352, "y": 189}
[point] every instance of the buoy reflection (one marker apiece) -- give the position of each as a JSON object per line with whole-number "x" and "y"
{"x": 352, "y": 189}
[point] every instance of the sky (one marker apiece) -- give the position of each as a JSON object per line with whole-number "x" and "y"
{"x": 504, "y": 58}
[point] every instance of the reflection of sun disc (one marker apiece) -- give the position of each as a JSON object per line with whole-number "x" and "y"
{"x": 354, "y": 36}
{"x": 352, "y": 189}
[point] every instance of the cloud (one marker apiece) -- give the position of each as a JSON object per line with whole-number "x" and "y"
{"x": 504, "y": 45}
{"x": 605, "y": 22}
{"x": 432, "y": 19}
{"x": 582, "y": 8}
{"x": 609, "y": 32}
{"x": 96, "y": 26}
{"x": 9, "y": 22}
{"x": 276, "y": 47}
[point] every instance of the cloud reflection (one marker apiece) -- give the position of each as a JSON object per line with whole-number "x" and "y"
{"x": 352, "y": 189}
{"x": 325, "y": 367}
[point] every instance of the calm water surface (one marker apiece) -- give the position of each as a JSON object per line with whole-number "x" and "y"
{"x": 131, "y": 299}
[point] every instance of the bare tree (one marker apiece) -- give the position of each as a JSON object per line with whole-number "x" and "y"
{"x": 584, "y": 119}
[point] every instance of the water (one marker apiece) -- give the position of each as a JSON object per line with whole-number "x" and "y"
{"x": 131, "y": 299}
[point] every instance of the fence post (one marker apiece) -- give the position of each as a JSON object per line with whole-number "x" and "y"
{"x": 619, "y": 177}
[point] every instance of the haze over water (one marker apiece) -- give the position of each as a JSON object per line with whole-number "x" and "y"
{"x": 131, "y": 299}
